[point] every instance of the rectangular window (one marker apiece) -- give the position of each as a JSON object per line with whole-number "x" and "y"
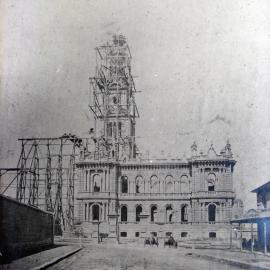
{"x": 86, "y": 177}
{"x": 109, "y": 129}
{"x": 119, "y": 129}
{"x": 184, "y": 234}
{"x": 123, "y": 234}
{"x": 212, "y": 235}
{"x": 114, "y": 130}
{"x": 154, "y": 234}
{"x": 168, "y": 234}
{"x": 137, "y": 234}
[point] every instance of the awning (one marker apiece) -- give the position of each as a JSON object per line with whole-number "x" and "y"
{"x": 250, "y": 220}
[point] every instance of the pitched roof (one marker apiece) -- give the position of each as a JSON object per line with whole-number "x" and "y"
{"x": 266, "y": 185}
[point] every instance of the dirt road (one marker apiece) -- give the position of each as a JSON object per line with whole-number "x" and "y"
{"x": 107, "y": 257}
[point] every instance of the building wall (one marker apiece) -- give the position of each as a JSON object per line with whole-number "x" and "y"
{"x": 168, "y": 186}
{"x": 23, "y": 229}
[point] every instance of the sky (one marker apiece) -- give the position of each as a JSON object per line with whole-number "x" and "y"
{"x": 201, "y": 69}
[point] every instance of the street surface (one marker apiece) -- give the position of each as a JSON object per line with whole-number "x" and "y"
{"x": 107, "y": 257}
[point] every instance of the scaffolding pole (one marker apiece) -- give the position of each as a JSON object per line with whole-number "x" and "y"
{"x": 113, "y": 102}
{"x": 70, "y": 189}
{"x": 45, "y": 175}
{"x": 58, "y": 207}
{"x": 48, "y": 181}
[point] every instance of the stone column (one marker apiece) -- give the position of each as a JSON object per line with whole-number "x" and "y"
{"x": 101, "y": 182}
{"x": 145, "y": 186}
{"x": 130, "y": 187}
{"x": 204, "y": 212}
{"x": 84, "y": 213}
{"x": 85, "y": 179}
{"x": 109, "y": 180}
{"x": 163, "y": 187}
{"x": 222, "y": 212}
{"x": 90, "y": 182}
{"x": 101, "y": 208}
{"x": 103, "y": 189}
{"x": 89, "y": 212}
{"x": 128, "y": 190}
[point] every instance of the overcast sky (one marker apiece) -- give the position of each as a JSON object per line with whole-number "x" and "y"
{"x": 202, "y": 68}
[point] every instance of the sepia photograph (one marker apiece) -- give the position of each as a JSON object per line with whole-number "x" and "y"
{"x": 135, "y": 135}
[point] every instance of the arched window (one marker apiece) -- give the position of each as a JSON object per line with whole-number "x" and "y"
{"x": 169, "y": 214}
{"x": 184, "y": 213}
{"x": 124, "y": 184}
{"x": 211, "y": 177}
{"x": 184, "y": 188}
{"x": 153, "y": 213}
{"x": 169, "y": 184}
{"x": 212, "y": 213}
{"x": 97, "y": 183}
{"x": 211, "y": 186}
{"x": 95, "y": 212}
{"x": 211, "y": 180}
{"x": 123, "y": 213}
{"x": 155, "y": 187}
{"x": 154, "y": 184}
{"x": 139, "y": 184}
{"x": 169, "y": 187}
{"x": 138, "y": 212}
{"x": 109, "y": 129}
{"x": 137, "y": 187}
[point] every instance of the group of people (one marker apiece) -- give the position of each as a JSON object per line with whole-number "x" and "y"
{"x": 170, "y": 241}
{"x": 153, "y": 240}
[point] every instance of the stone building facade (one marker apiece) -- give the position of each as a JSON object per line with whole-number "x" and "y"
{"x": 125, "y": 195}
{"x": 191, "y": 198}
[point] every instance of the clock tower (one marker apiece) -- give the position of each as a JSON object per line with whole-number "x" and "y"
{"x": 113, "y": 102}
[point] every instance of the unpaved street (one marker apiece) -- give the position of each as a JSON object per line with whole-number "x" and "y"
{"x": 107, "y": 257}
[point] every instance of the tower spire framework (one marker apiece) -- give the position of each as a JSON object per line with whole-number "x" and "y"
{"x": 113, "y": 102}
